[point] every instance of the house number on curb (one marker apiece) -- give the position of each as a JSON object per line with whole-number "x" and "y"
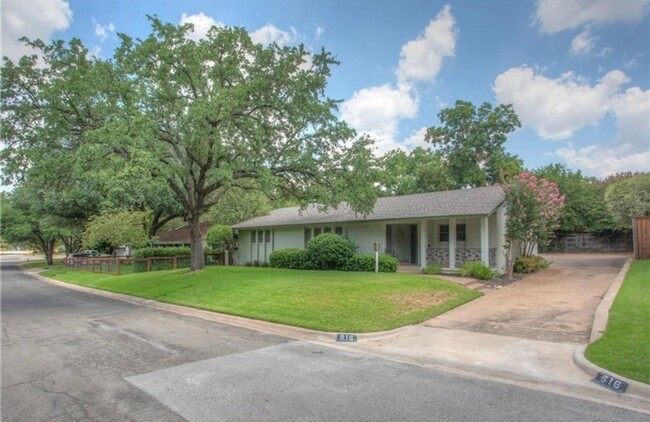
{"x": 348, "y": 338}
{"x": 611, "y": 382}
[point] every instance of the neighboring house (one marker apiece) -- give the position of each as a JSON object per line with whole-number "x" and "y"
{"x": 180, "y": 236}
{"x": 446, "y": 228}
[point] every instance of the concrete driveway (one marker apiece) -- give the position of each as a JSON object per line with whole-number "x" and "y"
{"x": 556, "y": 304}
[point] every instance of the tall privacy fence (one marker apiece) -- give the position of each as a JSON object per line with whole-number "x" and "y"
{"x": 588, "y": 242}
{"x": 128, "y": 265}
{"x": 641, "y": 235}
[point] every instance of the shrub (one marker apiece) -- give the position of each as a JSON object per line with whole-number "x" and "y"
{"x": 476, "y": 269}
{"x": 140, "y": 264}
{"x": 289, "y": 258}
{"x": 530, "y": 263}
{"x": 366, "y": 262}
{"x": 221, "y": 238}
{"x": 432, "y": 269}
{"x": 329, "y": 251}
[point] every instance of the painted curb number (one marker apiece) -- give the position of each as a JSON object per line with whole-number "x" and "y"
{"x": 346, "y": 338}
{"x": 611, "y": 382}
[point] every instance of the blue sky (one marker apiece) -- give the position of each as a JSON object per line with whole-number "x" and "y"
{"x": 576, "y": 71}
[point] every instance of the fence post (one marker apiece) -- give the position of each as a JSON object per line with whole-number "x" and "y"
{"x": 117, "y": 266}
{"x": 148, "y": 264}
{"x": 174, "y": 263}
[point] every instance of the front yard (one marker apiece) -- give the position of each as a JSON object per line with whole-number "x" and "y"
{"x": 322, "y": 300}
{"x": 625, "y": 346}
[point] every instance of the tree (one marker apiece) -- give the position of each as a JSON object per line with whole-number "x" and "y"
{"x": 221, "y": 238}
{"x": 239, "y": 205}
{"x": 422, "y": 170}
{"x": 534, "y": 207}
{"x": 224, "y": 113}
{"x": 116, "y": 228}
{"x": 471, "y": 141}
{"x": 628, "y": 198}
{"x": 585, "y": 210}
{"x": 22, "y": 224}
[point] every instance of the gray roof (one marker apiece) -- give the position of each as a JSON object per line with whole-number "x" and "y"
{"x": 451, "y": 203}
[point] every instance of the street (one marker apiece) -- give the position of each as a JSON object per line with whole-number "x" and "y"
{"x": 68, "y": 355}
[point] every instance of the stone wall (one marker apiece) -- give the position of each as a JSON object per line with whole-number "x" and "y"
{"x": 440, "y": 256}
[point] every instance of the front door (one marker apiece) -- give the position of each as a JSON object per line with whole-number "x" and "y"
{"x": 402, "y": 242}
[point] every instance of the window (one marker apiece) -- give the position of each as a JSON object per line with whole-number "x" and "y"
{"x": 444, "y": 232}
{"x": 252, "y": 236}
{"x": 267, "y": 236}
{"x": 327, "y": 230}
{"x": 307, "y": 235}
{"x": 260, "y": 236}
{"x": 339, "y": 231}
{"x": 460, "y": 232}
{"x": 317, "y": 231}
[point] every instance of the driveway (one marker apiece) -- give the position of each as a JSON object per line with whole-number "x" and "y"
{"x": 556, "y": 304}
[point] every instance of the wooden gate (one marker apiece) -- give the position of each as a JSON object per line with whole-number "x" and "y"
{"x": 641, "y": 237}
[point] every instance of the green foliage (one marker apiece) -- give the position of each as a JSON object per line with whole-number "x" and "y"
{"x": 476, "y": 269}
{"x": 239, "y": 205}
{"x": 221, "y": 238}
{"x": 291, "y": 258}
{"x": 366, "y": 262}
{"x": 471, "y": 141}
{"x": 329, "y": 251}
{"x": 182, "y": 252}
{"x": 529, "y": 264}
{"x": 629, "y": 198}
{"x": 432, "y": 269}
{"x": 422, "y": 170}
{"x": 116, "y": 228}
{"x": 585, "y": 210}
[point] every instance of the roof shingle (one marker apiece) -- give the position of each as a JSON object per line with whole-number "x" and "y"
{"x": 452, "y": 203}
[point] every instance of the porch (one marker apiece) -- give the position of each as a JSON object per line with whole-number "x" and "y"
{"x": 448, "y": 242}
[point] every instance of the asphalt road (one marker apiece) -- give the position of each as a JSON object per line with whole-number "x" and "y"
{"x": 68, "y": 355}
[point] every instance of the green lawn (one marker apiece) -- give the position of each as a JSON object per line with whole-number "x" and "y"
{"x": 39, "y": 263}
{"x": 322, "y": 300}
{"x": 625, "y": 346}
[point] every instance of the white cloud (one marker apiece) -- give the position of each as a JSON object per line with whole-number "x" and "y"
{"x": 103, "y": 31}
{"x": 378, "y": 109}
{"x": 603, "y": 160}
{"x": 270, "y": 34}
{"x": 202, "y": 24}
{"x": 421, "y": 59}
{"x": 557, "y": 15}
{"x": 556, "y": 108}
{"x": 319, "y": 32}
{"x": 36, "y": 19}
{"x": 604, "y": 52}
{"x": 583, "y": 43}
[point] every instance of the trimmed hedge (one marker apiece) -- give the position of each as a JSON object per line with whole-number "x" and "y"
{"x": 292, "y": 258}
{"x": 366, "y": 262}
{"x": 183, "y": 260}
{"x": 529, "y": 264}
{"x": 476, "y": 269}
{"x": 329, "y": 251}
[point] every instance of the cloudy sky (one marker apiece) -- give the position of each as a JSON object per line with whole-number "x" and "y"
{"x": 577, "y": 71}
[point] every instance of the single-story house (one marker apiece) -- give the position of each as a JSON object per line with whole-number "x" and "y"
{"x": 180, "y": 235}
{"x": 447, "y": 228}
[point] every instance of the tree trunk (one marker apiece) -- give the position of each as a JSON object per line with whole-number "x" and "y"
{"x": 197, "y": 260}
{"x": 49, "y": 253}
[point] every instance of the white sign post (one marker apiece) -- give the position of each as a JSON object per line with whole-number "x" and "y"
{"x": 376, "y": 247}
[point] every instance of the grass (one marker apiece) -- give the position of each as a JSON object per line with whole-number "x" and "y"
{"x": 624, "y": 348}
{"x": 321, "y": 300}
{"x": 39, "y": 263}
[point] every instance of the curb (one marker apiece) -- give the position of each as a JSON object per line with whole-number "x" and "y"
{"x": 636, "y": 389}
{"x": 297, "y": 333}
{"x": 601, "y": 315}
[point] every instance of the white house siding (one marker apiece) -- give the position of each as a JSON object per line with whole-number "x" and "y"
{"x": 365, "y": 234}
{"x": 288, "y": 237}
{"x": 243, "y": 254}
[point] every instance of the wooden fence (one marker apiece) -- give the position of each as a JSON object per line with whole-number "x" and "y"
{"x": 127, "y": 265}
{"x": 641, "y": 237}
